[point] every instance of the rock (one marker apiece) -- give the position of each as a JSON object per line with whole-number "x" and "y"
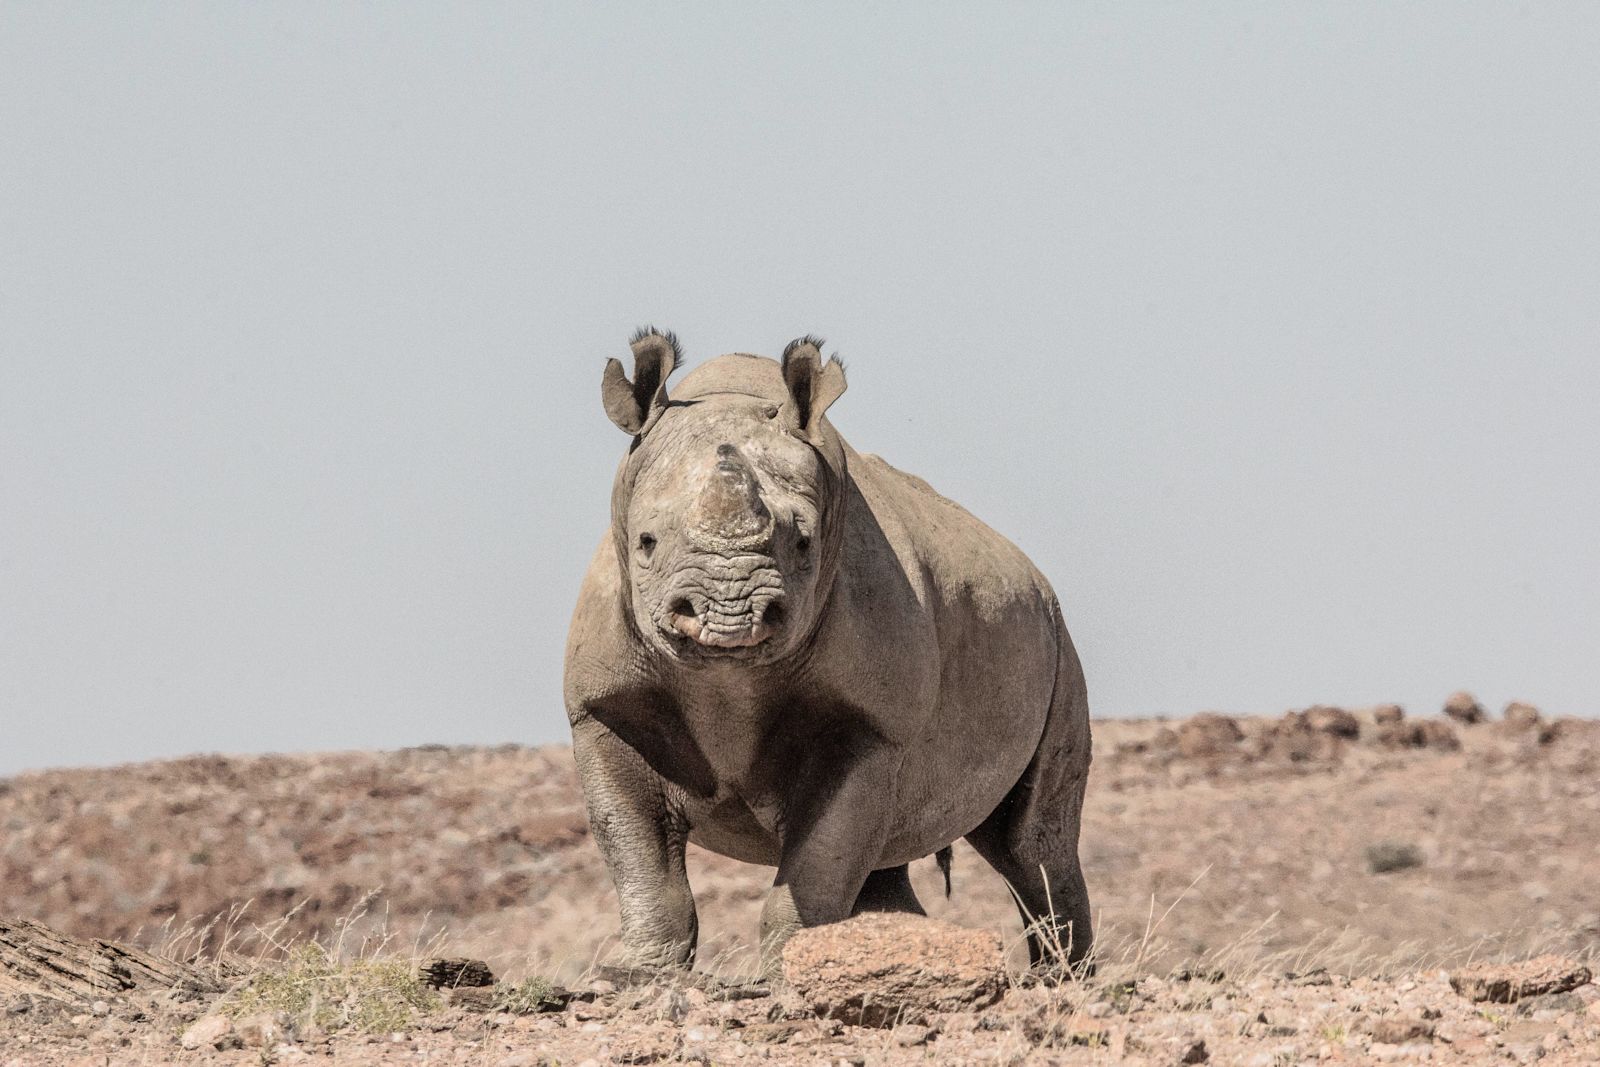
{"x": 883, "y": 969}
{"x": 470, "y": 998}
{"x": 1398, "y": 1030}
{"x": 1194, "y": 1052}
{"x": 213, "y": 1031}
{"x": 455, "y": 973}
{"x": 1208, "y": 734}
{"x": 1464, "y": 708}
{"x": 1504, "y": 983}
{"x": 1520, "y": 716}
{"x": 1423, "y": 733}
{"x": 909, "y": 1035}
{"x": 1386, "y": 856}
{"x": 1330, "y": 720}
{"x": 264, "y": 1031}
{"x": 1384, "y": 714}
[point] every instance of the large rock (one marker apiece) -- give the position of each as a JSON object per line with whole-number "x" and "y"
{"x": 1330, "y": 720}
{"x": 1504, "y": 983}
{"x": 1464, "y": 708}
{"x": 1521, "y": 716}
{"x": 1208, "y": 734}
{"x": 1419, "y": 733}
{"x": 883, "y": 969}
{"x": 1384, "y": 714}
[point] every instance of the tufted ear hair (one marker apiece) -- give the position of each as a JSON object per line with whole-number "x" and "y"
{"x": 812, "y": 385}
{"x": 634, "y": 405}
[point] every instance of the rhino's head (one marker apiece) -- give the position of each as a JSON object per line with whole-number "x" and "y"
{"x": 727, "y": 509}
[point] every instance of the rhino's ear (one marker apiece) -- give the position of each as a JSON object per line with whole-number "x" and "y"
{"x": 812, "y": 385}
{"x": 633, "y": 405}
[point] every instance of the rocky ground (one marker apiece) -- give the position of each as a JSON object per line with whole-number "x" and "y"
{"x": 1268, "y": 891}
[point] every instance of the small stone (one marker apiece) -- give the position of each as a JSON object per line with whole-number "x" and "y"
{"x": 1194, "y": 1052}
{"x": 100, "y": 1007}
{"x": 1386, "y": 856}
{"x": 673, "y": 1006}
{"x": 602, "y": 988}
{"x": 1384, "y": 714}
{"x": 1395, "y": 1030}
{"x": 213, "y": 1031}
{"x": 910, "y": 1036}
{"x": 263, "y": 1031}
{"x": 469, "y": 998}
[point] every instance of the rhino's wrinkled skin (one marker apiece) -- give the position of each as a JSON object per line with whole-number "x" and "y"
{"x": 794, "y": 654}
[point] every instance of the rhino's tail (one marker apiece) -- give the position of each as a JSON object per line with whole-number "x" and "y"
{"x": 945, "y": 857}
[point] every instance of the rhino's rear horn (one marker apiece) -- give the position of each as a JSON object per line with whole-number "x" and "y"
{"x": 812, "y": 386}
{"x": 634, "y": 405}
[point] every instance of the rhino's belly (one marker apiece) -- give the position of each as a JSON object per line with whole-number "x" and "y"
{"x": 728, "y": 827}
{"x": 942, "y": 794}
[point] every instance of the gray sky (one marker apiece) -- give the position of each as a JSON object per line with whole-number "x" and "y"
{"x": 1272, "y": 333}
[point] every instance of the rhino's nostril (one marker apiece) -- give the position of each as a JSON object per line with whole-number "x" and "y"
{"x": 682, "y": 607}
{"x": 773, "y": 615}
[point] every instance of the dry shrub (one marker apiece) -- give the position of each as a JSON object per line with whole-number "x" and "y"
{"x": 318, "y": 992}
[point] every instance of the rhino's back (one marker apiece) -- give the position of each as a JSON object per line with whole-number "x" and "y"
{"x": 959, "y": 554}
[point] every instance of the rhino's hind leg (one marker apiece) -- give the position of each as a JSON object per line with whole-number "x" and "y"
{"x": 889, "y": 890}
{"x": 643, "y": 840}
{"x": 1050, "y": 894}
{"x": 1031, "y": 839}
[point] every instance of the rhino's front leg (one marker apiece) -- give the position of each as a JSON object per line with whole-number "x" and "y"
{"x": 643, "y": 842}
{"x": 833, "y": 840}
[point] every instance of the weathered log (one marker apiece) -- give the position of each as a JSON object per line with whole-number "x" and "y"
{"x": 39, "y": 961}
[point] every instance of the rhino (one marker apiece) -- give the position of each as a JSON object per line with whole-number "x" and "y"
{"x": 795, "y": 655}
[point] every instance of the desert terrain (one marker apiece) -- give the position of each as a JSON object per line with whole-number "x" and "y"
{"x": 1273, "y": 890}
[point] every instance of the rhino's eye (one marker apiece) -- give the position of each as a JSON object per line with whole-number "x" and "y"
{"x": 802, "y": 544}
{"x": 647, "y": 543}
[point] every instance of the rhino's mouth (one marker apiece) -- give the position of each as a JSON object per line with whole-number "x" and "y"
{"x": 712, "y": 628}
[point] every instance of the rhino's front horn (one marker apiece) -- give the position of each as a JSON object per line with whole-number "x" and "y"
{"x": 729, "y": 512}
